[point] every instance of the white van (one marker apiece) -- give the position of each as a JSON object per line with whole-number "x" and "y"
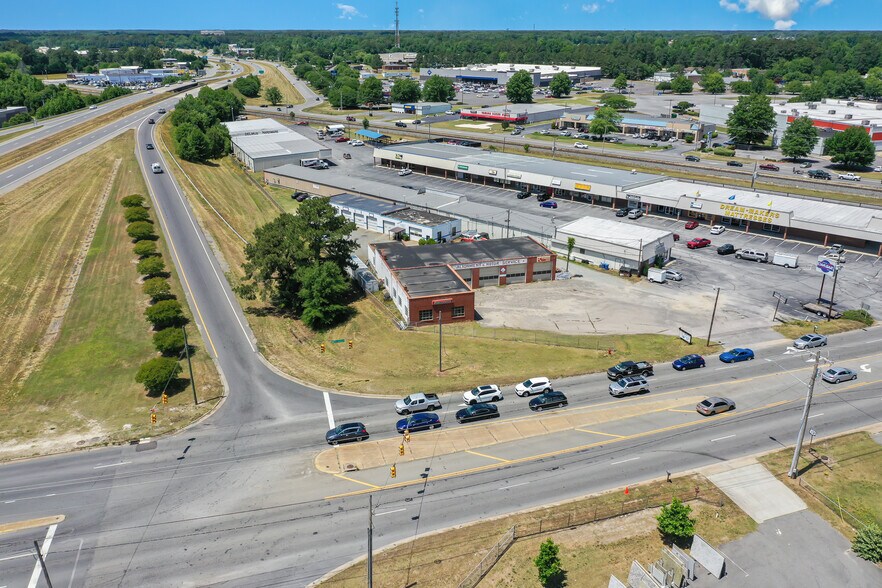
{"x": 157, "y": 169}
{"x": 785, "y": 259}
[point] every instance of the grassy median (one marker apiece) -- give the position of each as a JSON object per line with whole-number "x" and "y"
{"x": 273, "y": 77}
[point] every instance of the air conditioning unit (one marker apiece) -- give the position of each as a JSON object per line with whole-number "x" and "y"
{"x": 848, "y": 117}
{"x": 831, "y": 112}
{"x": 812, "y": 106}
{"x": 849, "y": 103}
{"x": 866, "y": 122}
{"x": 823, "y": 101}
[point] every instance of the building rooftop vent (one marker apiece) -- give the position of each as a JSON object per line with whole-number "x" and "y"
{"x": 831, "y": 112}
{"x": 848, "y": 116}
{"x": 866, "y": 122}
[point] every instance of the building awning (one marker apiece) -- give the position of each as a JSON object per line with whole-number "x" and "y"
{"x": 369, "y": 134}
{"x": 396, "y": 230}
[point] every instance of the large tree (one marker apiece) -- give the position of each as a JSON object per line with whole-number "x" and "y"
{"x": 606, "y": 120}
{"x": 323, "y": 291}
{"x": 156, "y": 374}
{"x": 621, "y": 82}
{"x": 617, "y": 101}
{"x": 712, "y": 82}
{"x": 751, "y": 120}
{"x": 681, "y": 85}
{"x": 851, "y": 148}
{"x": 438, "y": 89}
{"x": 273, "y": 94}
{"x": 560, "y": 84}
{"x": 799, "y": 138}
{"x": 285, "y": 246}
{"x": 371, "y": 91}
{"x": 405, "y": 90}
{"x": 519, "y": 88}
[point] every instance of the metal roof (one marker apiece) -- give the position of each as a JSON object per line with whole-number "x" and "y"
{"x": 346, "y": 183}
{"x": 255, "y": 126}
{"x": 369, "y": 134}
{"x": 420, "y": 217}
{"x": 275, "y": 144}
{"x": 399, "y": 256}
{"x": 431, "y": 281}
{"x": 619, "y": 233}
{"x": 372, "y": 205}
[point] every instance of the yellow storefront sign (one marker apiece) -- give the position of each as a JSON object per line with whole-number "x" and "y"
{"x": 749, "y": 214}
{"x": 583, "y": 187}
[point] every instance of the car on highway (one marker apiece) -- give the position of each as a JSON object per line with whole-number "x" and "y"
{"x": 564, "y": 133}
{"x": 732, "y": 163}
{"x": 810, "y": 340}
{"x": 417, "y": 121}
{"x": 149, "y": 146}
{"x": 726, "y": 249}
{"x": 533, "y": 386}
{"x": 156, "y": 168}
{"x": 405, "y": 171}
{"x": 449, "y": 112}
{"x": 819, "y": 174}
{"x": 688, "y": 362}
{"x": 550, "y": 399}
{"x": 418, "y": 422}
{"x": 93, "y": 107}
{"x": 850, "y": 177}
{"x": 698, "y": 243}
{"x": 715, "y": 405}
{"x": 544, "y": 132}
{"x": 835, "y": 375}
{"x": 717, "y": 230}
{"x": 301, "y": 123}
{"x": 629, "y": 385}
{"x": 346, "y": 432}
{"x": 769, "y": 167}
{"x": 150, "y": 121}
{"x": 629, "y": 368}
{"x": 477, "y": 412}
{"x": 693, "y": 158}
{"x": 400, "y": 124}
{"x": 691, "y": 225}
{"x": 516, "y": 132}
{"x": 340, "y": 139}
{"x": 485, "y": 393}
{"x": 548, "y": 204}
{"x": 736, "y": 355}
{"x": 580, "y": 145}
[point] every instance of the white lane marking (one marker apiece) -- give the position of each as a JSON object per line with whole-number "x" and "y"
{"x": 512, "y": 486}
{"x": 725, "y": 367}
{"x": 816, "y": 415}
{"x": 330, "y": 412}
{"x": 110, "y": 465}
{"x": 380, "y": 514}
{"x": 624, "y": 461}
{"x": 30, "y": 166}
{"x": 10, "y": 175}
{"x": 8, "y": 501}
{"x": 76, "y": 561}
{"x": 44, "y": 551}
{"x": 721, "y": 438}
{"x": 19, "y": 556}
{"x": 49, "y": 495}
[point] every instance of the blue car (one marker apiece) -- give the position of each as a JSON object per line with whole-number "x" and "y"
{"x": 688, "y": 362}
{"x": 418, "y": 422}
{"x": 737, "y": 354}
{"x": 548, "y": 204}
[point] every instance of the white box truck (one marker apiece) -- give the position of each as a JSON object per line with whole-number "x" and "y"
{"x": 785, "y": 259}
{"x": 656, "y": 275}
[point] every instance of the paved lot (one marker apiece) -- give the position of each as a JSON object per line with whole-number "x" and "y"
{"x": 753, "y": 488}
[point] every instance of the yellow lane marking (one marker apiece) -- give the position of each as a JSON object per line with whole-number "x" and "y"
{"x": 680, "y": 410}
{"x": 599, "y": 433}
{"x": 30, "y": 524}
{"x": 488, "y": 456}
{"x": 348, "y": 479}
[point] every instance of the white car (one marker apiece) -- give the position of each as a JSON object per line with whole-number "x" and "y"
{"x": 533, "y": 386}
{"x": 405, "y": 172}
{"x": 850, "y": 177}
{"x": 450, "y": 112}
{"x": 878, "y": 168}
{"x": 93, "y": 107}
{"x": 356, "y": 142}
{"x": 717, "y": 230}
{"x": 580, "y": 145}
{"x": 544, "y": 132}
{"x": 485, "y": 393}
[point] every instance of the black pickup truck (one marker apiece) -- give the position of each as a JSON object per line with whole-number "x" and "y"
{"x": 629, "y": 368}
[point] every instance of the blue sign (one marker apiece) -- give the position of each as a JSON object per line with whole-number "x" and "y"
{"x": 825, "y": 266}
{"x": 429, "y": 72}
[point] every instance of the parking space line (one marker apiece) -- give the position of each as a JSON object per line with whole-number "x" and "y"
{"x": 599, "y": 433}
{"x": 488, "y": 456}
{"x": 795, "y": 246}
{"x": 348, "y": 479}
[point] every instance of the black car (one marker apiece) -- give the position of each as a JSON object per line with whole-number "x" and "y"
{"x": 819, "y": 174}
{"x": 300, "y": 196}
{"x": 734, "y": 164}
{"x": 149, "y": 146}
{"x": 622, "y": 212}
{"x": 629, "y": 368}
{"x": 477, "y": 412}
{"x": 523, "y": 194}
{"x": 542, "y": 197}
{"x": 550, "y": 399}
{"x": 693, "y": 158}
{"x": 727, "y": 249}
{"x": 347, "y": 432}
{"x": 150, "y": 121}
{"x": 417, "y": 122}
{"x": 400, "y": 124}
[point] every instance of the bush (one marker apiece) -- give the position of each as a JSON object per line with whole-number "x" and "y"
{"x": 428, "y": 241}
{"x": 548, "y": 563}
{"x": 169, "y": 341}
{"x": 156, "y": 373}
{"x": 151, "y": 267}
{"x": 868, "y": 543}
{"x": 862, "y": 316}
{"x": 157, "y": 289}
{"x": 689, "y": 139}
{"x": 145, "y": 248}
{"x": 17, "y": 119}
{"x": 724, "y": 152}
{"x": 141, "y": 231}
{"x": 136, "y": 214}
{"x": 674, "y": 523}
{"x": 165, "y": 314}
{"x": 133, "y": 200}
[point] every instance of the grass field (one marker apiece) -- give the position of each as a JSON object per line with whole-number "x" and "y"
{"x": 55, "y": 76}
{"x": 589, "y": 552}
{"x": 272, "y": 77}
{"x": 796, "y": 329}
{"x": 83, "y": 391}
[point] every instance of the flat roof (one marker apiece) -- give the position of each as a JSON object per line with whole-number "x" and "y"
{"x": 373, "y": 205}
{"x": 858, "y": 111}
{"x": 609, "y": 231}
{"x": 420, "y": 217}
{"x": 275, "y": 144}
{"x": 255, "y": 126}
{"x": 347, "y": 183}
{"x": 532, "y": 68}
{"x": 399, "y": 256}
{"x": 519, "y": 108}
{"x": 431, "y": 281}
{"x": 447, "y": 104}
{"x": 559, "y": 169}
{"x": 370, "y": 134}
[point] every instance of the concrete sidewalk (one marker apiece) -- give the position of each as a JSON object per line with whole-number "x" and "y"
{"x": 753, "y": 488}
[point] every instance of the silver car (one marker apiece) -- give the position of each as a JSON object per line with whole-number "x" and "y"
{"x": 809, "y": 341}
{"x": 629, "y": 385}
{"x": 673, "y": 275}
{"x": 834, "y": 375}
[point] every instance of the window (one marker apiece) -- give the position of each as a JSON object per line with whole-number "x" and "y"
{"x": 772, "y": 228}
{"x": 541, "y": 273}
{"x": 425, "y": 315}
{"x": 488, "y": 278}
{"x": 513, "y": 276}
{"x": 458, "y": 311}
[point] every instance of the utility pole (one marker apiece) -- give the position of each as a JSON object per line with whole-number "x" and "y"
{"x": 713, "y": 315}
{"x": 753, "y": 177}
{"x": 508, "y": 223}
{"x": 440, "y": 369}
{"x": 42, "y": 564}
{"x": 190, "y": 367}
{"x": 821, "y": 291}
{"x": 370, "y": 561}
{"x": 794, "y": 465}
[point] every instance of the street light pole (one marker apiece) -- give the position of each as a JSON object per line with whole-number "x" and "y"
{"x": 794, "y": 465}
{"x": 713, "y": 315}
{"x": 370, "y": 554}
{"x": 440, "y": 341}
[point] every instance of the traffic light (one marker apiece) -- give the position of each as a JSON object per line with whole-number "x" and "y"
{"x": 323, "y": 347}
{"x": 350, "y": 344}
{"x": 407, "y": 436}
{"x": 401, "y": 449}
{"x": 165, "y": 398}
{"x": 153, "y": 418}
{"x": 392, "y": 472}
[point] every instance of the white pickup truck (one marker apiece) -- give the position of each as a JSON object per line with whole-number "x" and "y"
{"x": 417, "y": 402}
{"x": 850, "y": 177}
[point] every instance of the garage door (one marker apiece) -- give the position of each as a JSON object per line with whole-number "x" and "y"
{"x": 373, "y": 223}
{"x": 387, "y": 226}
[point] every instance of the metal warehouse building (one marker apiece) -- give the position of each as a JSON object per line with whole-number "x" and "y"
{"x": 516, "y": 113}
{"x": 266, "y": 143}
{"x": 500, "y": 73}
{"x": 421, "y": 108}
{"x": 612, "y": 244}
{"x": 393, "y": 219}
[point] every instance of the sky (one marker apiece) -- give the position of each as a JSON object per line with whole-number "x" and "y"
{"x": 723, "y": 15}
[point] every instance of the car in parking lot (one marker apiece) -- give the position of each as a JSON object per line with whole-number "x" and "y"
{"x": 550, "y": 399}
{"x": 340, "y": 139}
{"x": 485, "y": 393}
{"x": 726, "y": 249}
{"x": 300, "y": 196}
{"x": 673, "y": 275}
{"x": 834, "y": 375}
{"x": 356, "y": 143}
{"x": 635, "y": 213}
{"x": 523, "y": 194}
{"x": 752, "y": 255}
{"x": 477, "y": 412}
{"x": 736, "y": 355}
{"x": 622, "y": 212}
{"x": 533, "y": 386}
{"x": 548, "y": 204}
{"x": 544, "y": 132}
{"x": 688, "y": 362}
{"x": 346, "y": 432}
{"x": 810, "y": 340}
{"x": 472, "y": 236}
{"x": 715, "y": 405}
{"x": 732, "y": 163}
{"x": 698, "y": 243}
{"x": 405, "y": 171}
{"x": 449, "y": 112}
{"x": 629, "y": 385}
{"x": 691, "y": 225}
{"x": 769, "y": 167}
{"x": 418, "y": 422}
{"x": 717, "y": 230}
{"x": 693, "y": 158}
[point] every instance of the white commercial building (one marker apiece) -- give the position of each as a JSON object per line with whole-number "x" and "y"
{"x": 265, "y": 143}
{"x": 500, "y": 73}
{"x": 612, "y": 244}
{"x": 421, "y": 108}
{"x": 395, "y": 219}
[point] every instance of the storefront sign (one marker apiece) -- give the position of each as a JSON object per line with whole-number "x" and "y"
{"x": 825, "y": 266}
{"x": 492, "y": 172}
{"x": 462, "y": 167}
{"x": 399, "y": 156}
{"x": 583, "y": 187}
{"x": 442, "y": 301}
{"x": 686, "y": 336}
{"x": 695, "y": 205}
{"x": 749, "y": 214}
{"x": 496, "y": 263}
{"x": 514, "y": 176}
{"x": 543, "y": 259}
{"x": 502, "y": 270}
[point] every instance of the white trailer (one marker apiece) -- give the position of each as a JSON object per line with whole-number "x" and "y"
{"x": 785, "y": 259}
{"x": 656, "y": 275}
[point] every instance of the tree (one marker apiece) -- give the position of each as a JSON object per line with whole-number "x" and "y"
{"x": 795, "y": 87}
{"x": 799, "y": 138}
{"x": 155, "y": 374}
{"x": 145, "y": 249}
{"x": 674, "y": 523}
{"x": 136, "y": 213}
{"x": 323, "y": 292}
{"x": 682, "y": 106}
{"x": 606, "y": 120}
{"x": 169, "y": 341}
{"x": 560, "y": 84}
{"x": 519, "y": 88}
{"x": 571, "y": 244}
{"x": 365, "y": 123}
{"x": 141, "y": 230}
{"x": 405, "y": 90}
{"x": 867, "y": 543}
{"x": 751, "y": 120}
{"x": 713, "y": 83}
{"x": 164, "y": 314}
{"x": 151, "y": 267}
{"x": 248, "y": 86}
{"x": 681, "y": 85}
{"x": 663, "y": 86}
{"x": 621, "y": 82}
{"x": 157, "y": 288}
{"x": 548, "y": 563}
{"x": 218, "y": 141}
{"x": 132, "y": 200}
{"x": 17, "y": 119}
{"x": 851, "y": 147}
{"x": 617, "y": 102}
{"x": 273, "y": 94}
{"x": 438, "y": 89}
{"x": 371, "y": 91}
{"x": 192, "y": 144}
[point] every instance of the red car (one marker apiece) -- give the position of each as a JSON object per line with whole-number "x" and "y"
{"x": 698, "y": 243}
{"x": 769, "y": 167}
{"x": 340, "y": 140}
{"x": 691, "y": 225}
{"x": 302, "y": 122}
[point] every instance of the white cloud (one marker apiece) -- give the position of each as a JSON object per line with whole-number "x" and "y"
{"x": 822, "y": 3}
{"x": 784, "y": 25}
{"x": 731, "y": 6}
{"x": 779, "y": 11}
{"x": 347, "y": 11}
{"x": 591, "y": 8}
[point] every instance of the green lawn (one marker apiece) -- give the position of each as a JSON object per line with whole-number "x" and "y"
{"x": 796, "y": 329}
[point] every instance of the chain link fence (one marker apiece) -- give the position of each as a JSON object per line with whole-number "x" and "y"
{"x": 473, "y": 577}
{"x": 834, "y": 505}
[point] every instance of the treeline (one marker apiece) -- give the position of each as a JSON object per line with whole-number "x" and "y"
{"x": 196, "y": 127}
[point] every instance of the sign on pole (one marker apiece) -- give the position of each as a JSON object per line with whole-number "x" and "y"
{"x": 686, "y": 336}
{"x": 826, "y": 267}
{"x": 780, "y": 297}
